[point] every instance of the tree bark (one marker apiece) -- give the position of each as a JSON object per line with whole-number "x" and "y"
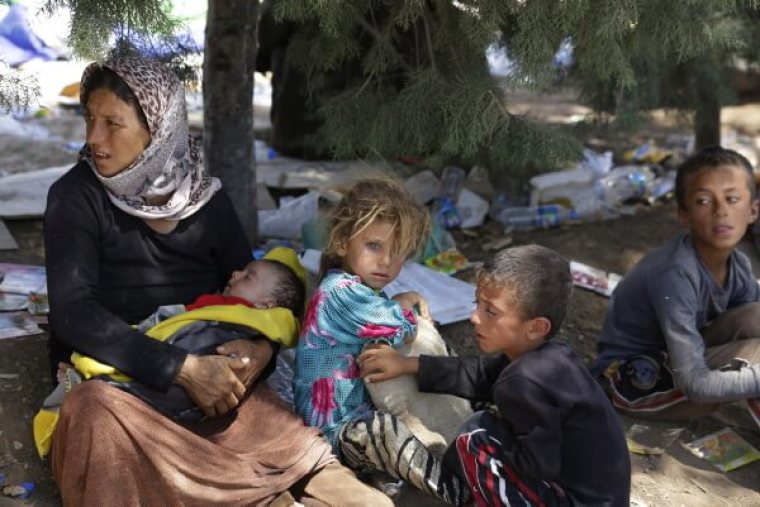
{"x": 228, "y": 66}
{"x": 707, "y": 121}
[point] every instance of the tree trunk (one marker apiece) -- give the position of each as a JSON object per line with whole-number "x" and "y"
{"x": 228, "y": 66}
{"x": 707, "y": 121}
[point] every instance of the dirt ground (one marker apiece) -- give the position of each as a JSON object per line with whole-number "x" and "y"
{"x": 673, "y": 478}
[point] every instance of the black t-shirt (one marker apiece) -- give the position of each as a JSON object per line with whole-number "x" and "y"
{"x": 561, "y": 426}
{"x": 107, "y": 269}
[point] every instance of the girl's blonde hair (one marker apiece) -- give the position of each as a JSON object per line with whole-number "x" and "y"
{"x": 376, "y": 198}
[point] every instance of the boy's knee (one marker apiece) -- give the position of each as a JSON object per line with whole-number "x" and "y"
{"x": 738, "y": 323}
{"x": 747, "y": 320}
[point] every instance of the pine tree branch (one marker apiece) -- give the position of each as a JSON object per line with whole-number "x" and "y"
{"x": 429, "y": 40}
{"x": 374, "y": 33}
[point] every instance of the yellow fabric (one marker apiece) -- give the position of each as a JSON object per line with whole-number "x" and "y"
{"x": 44, "y": 427}
{"x": 289, "y": 257}
{"x": 277, "y": 324}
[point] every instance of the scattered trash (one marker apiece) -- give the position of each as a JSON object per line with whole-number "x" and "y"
{"x": 15, "y": 324}
{"x": 24, "y": 195}
{"x": 445, "y": 210}
{"x": 38, "y": 304}
{"x": 725, "y": 449}
{"x": 452, "y": 182}
{"x": 740, "y": 143}
{"x": 647, "y": 153}
{"x": 662, "y": 186}
{"x": 13, "y": 302}
{"x": 525, "y": 218}
{"x": 21, "y": 491}
{"x": 262, "y": 151}
{"x": 17, "y": 282}
{"x": 593, "y": 279}
{"x": 574, "y": 189}
{"x": 423, "y": 187}
{"x": 449, "y": 262}
{"x": 598, "y": 163}
{"x": 22, "y": 279}
{"x": 625, "y": 183}
{"x": 596, "y": 189}
{"x": 287, "y": 220}
{"x": 643, "y": 439}
{"x": 440, "y": 240}
{"x": 445, "y": 213}
{"x": 479, "y": 181}
{"x": 472, "y": 209}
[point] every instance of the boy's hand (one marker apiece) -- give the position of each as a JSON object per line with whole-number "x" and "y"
{"x": 408, "y": 300}
{"x": 380, "y": 362}
{"x": 259, "y": 352}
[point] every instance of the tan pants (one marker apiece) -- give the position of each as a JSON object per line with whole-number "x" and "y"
{"x": 734, "y": 334}
{"x": 333, "y": 485}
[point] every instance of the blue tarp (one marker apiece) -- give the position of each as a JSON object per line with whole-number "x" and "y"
{"x": 18, "y": 43}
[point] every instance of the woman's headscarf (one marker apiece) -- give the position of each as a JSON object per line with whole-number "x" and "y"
{"x": 172, "y": 164}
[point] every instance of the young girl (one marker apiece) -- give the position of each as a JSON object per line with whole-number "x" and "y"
{"x": 374, "y": 229}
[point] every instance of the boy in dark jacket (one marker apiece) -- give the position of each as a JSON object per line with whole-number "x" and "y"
{"x": 554, "y": 440}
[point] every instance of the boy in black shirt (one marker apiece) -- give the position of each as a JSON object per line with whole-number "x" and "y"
{"x": 555, "y": 439}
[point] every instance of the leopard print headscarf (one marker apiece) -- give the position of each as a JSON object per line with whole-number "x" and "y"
{"x": 172, "y": 164}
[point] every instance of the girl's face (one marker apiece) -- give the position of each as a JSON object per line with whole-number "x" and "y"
{"x": 114, "y": 132}
{"x": 369, "y": 255}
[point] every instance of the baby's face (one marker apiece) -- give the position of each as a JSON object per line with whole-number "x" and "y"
{"x": 254, "y": 283}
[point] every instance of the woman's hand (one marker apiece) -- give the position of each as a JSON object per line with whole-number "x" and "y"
{"x": 380, "y": 362}
{"x": 259, "y": 352}
{"x": 212, "y": 382}
{"x": 408, "y": 300}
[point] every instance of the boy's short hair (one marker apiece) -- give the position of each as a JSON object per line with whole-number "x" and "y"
{"x": 538, "y": 276}
{"x": 710, "y": 158}
{"x": 289, "y": 292}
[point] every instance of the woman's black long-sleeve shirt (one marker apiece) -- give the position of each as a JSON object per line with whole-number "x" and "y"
{"x": 107, "y": 270}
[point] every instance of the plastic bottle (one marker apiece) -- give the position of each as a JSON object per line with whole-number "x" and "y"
{"x": 444, "y": 209}
{"x": 452, "y": 181}
{"x": 262, "y": 152}
{"x": 446, "y": 213}
{"x": 625, "y": 183}
{"x": 663, "y": 185}
{"x": 524, "y": 218}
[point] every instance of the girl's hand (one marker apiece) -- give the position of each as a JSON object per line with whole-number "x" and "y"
{"x": 212, "y": 382}
{"x": 408, "y": 300}
{"x": 380, "y": 362}
{"x": 259, "y": 352}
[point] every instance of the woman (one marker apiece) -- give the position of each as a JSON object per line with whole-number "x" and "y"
{"x": 136, "y": 224}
